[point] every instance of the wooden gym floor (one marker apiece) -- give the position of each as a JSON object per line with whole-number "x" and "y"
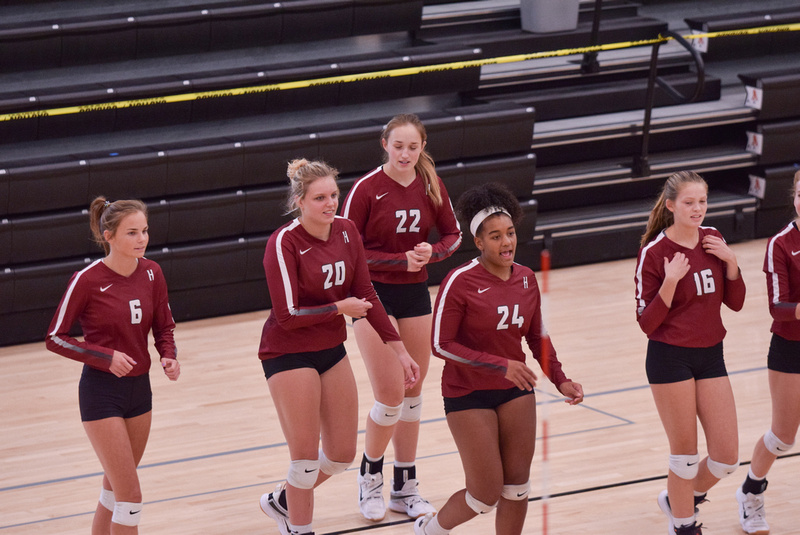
{"x": 216, "y": 445}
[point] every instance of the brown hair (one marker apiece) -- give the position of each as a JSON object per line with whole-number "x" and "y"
{"x": 105, "y": 215}
{"x": 424, "y": 166}
{"x": 302, "y": 173}
{"x": 660, "y": 216}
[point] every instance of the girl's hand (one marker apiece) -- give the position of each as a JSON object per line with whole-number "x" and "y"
{"x": 415, "y": 261}
{"x": 675, "y": 269}
{"x": 572, "y": 391}
{"x": 410, "y": 369}
{"x": 424, "y": 250}
{"x": 172, "y": 368}
{"x": 121, "y": 364}
{"x": 353, "y": 307}
{"x": 519, "y": 374}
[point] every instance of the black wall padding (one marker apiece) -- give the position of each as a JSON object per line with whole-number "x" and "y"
{"x": 48, "y": 237}
{"x": 207, "y": 264}
{"x": 135, "y": 172}
{"x": 516, "y": 171}
{"x": 780, "y": 142}
{"x": 206, "y": 217}
{"x": 47, "y": 184}
{"x": 781, "y": 92}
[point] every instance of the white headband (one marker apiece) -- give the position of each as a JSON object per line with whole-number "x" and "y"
{"x": 482, "y": 215}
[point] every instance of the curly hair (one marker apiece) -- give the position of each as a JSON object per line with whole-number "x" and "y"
{"x": 483, "y": 196}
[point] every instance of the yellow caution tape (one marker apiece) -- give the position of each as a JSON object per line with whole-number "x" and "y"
{"x": 390, "y": 73}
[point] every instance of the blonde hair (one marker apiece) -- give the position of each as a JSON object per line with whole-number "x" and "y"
{"x": 660, "y": 216}
{"x": 105, "y": 215}
{"x": 302, "y": 173}
{"x": 424, "y": 166}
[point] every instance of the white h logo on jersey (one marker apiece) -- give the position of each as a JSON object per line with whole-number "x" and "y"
{"x": 524, "y": 282}
{"x": 150, "y": 274}
{"x": 346, "y": 239}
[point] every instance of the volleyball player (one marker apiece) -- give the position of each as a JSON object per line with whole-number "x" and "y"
{"x": 395, "y": 208}
{"x": 782, "y": 266}
{"x": 684, "y": 273}
{"x": 118, "y": 300}
{"x": 316, "y": 272}
{"x": 484, "y": 310}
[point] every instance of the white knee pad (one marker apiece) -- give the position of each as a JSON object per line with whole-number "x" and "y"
{"x": 127, "y": 513}
{"x": 477, "y": 506}
{"x": 385, "y": 415}
{"x": 721, "y": 470}
{"x": 331, "y": 467}
{"x": 303, "y": 473}
{"x": 775, "y": 445}
{"x": 107, "y": 498}
{"x": 412, "y": 409}
{"x": 516, "y": 492}
{"x": 684, "y": 466}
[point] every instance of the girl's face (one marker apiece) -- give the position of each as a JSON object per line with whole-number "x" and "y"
{"x": 797, "y": 198}
{"x": 320, "y": 202}
{"x": 689, "y": 208}
{"x": 131, "y": 237}
{"x": 403, "y": 147}
{"x": 497, "y": 241}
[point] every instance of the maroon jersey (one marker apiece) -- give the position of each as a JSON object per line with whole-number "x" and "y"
{"x": 306, "y": 276}
{"x": 479, "y": 321}
{"x": 782, "y": 266}
{"x": 116, "y": 313}
{"x": 694, "y": 319}
{"x": 392, "y": 219}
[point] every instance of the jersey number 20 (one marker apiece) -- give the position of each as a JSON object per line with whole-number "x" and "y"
{"x": 330, "y": 270}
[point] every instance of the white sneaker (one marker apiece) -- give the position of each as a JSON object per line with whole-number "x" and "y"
{"x": 370, "y": 496}
{"x": 663, "y": 503}
{"x": 421, "y": 522}
{"x": 407, "y": 500}
{"x": 273, "y": 509}
{"x": 752, "y": 515}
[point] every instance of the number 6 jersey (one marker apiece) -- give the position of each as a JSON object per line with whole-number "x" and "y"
{"x": 694, "y": 318}
{"x": 479, "y": 321}
{"x": 115, "y": 313}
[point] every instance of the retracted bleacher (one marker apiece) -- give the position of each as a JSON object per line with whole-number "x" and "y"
{"x": 212, "y": 170}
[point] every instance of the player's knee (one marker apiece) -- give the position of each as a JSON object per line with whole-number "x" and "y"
{"x": 127, "y": 513}
{"x": 303, "y": 473}
{"x": 478, "y": 506}
{"x": 517, "y": 492}
{"x": 721, "y": 470}
{"x": 107, "y": 499}
{"x": 412, "y": 409}
{"x": 385, "y": 415}
{"x": 684, "y": 466}
{"x": 775, "y": 445}
{"x": 333, "y": 467}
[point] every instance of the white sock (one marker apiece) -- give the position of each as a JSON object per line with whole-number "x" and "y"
{"x": 299, "y": 530}
{"x": 680, "y": 522}
{"x": 433, "y": 528}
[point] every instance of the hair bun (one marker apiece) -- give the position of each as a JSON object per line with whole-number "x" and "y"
{"x": 294, "y": 167}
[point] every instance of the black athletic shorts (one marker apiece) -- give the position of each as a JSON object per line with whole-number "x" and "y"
{"x": 784, "y": 355}
{"x": 667, "y": 363}
{"x": 104, "y": 395}
{"x": 321, "y": 361}
{"x": 404, "y": 300}
{"x": 483, "y": 399}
